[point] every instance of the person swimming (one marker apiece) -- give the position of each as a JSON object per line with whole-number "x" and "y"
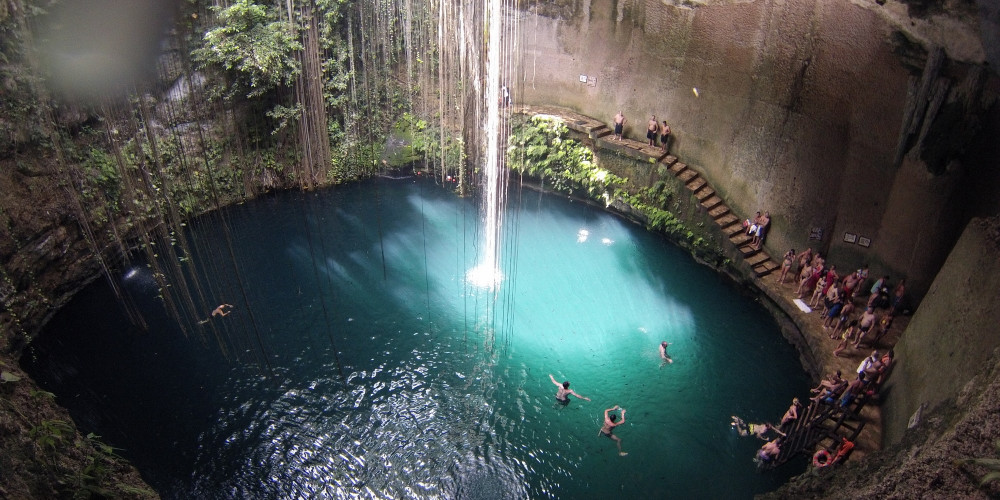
{"x": 663, "y": 353}
{"x": 563, "y": 392}
{"x": 609, "y": 427}
{"x": 760, "y": 430}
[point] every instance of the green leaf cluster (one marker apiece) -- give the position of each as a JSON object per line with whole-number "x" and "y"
{"x": 422, "y": 140}
{"x": 540, "y": 148}
{"x": 253, "y": 47}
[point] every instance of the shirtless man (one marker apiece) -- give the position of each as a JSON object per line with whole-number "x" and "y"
{"x": 218, "y": 311}
{"x": 619, "y": 125}
{"x": 664, "y": 136}
{"x": 769, "y": 451}
{"x": 563, "y": 393}
{"x": 865, "y": 324}
{"x": 609, "y": 427}
{"x": 222, "y": 310}
{"x": 828, "y": 390}
{"x": 651, "y": 130}
{"x": 663, "y": 353}
{"x": 758, "y": 238}
{"x": 853, "y": 390}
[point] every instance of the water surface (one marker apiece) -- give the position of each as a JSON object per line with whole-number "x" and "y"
{"x": 388, "y": 376}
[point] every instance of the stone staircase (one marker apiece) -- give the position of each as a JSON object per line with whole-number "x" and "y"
{"x": 730, "y": 224}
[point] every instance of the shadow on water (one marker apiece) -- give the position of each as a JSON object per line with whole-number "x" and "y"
{"x": 446, "y": 390}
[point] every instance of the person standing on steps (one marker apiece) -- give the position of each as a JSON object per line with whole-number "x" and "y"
{"x": 619, "y": 125}
{"x": 563, "y": 393}
{"x": 651, "y": 130}
{"x": 610, "y": 424}
{"x": 665, "y": 136}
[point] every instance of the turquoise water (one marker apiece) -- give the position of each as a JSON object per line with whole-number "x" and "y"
{"x": 445, "y": 389}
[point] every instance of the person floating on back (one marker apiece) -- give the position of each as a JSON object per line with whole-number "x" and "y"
{"x": 563, "y": 393}
{"x": 610, "y": 424}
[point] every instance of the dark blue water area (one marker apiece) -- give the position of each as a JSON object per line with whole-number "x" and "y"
{"x": 358, "y": 360}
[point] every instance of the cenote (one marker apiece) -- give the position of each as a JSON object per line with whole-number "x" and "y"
{"x": 360, "y": 362}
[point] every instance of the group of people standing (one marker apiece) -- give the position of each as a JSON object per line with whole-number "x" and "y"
{"x": 654, "y": 131}
{"x": 835, "y": 296}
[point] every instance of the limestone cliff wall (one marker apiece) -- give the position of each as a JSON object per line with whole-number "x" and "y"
{"x": 951, "y": 338}
{"x": 821, "y": 112}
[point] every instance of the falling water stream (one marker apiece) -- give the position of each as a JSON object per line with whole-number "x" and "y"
{"x": 434, "y": 402}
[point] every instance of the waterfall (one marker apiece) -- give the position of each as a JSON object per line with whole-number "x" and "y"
{"x": 487, "y": 273}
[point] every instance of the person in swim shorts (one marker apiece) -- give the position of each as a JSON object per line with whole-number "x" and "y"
{"x": 563, "y": 393}
{"x": 619, "y": 125}
{"x": 664, "y": 136}
{"x": 610, "y": 424}
{"x": 651, "y": 129}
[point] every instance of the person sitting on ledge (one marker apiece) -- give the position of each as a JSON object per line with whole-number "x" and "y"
{"x": 792, "y": 414}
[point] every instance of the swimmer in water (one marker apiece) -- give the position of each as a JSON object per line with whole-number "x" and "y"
{"x": 759, "y": 430}
{"x": 663, "y": 353}
{"x": 562, "y": 394}
{"x": 610, "y": 424}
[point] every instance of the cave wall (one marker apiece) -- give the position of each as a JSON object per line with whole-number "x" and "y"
{"x": 795, "y": 107}
{"x": 951, "y": 338}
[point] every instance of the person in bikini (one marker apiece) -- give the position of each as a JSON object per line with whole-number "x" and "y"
{"x": 609, "y": 426}
{"x": 563, "y": 393}
{"x": 760, "y": 430}
{"x": 786, "y": 264}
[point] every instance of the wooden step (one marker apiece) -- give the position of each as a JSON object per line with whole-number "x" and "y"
{"x": 757, "y": 258}
{"x": 687, "y": 175}
{"x": 696, "y": 184}
{"x": 726, "y": 220}
{"x": 718, "y": 211}
{"x": 712, "y": 202}
{"x": 678, "y": 167}
{"x": 733, "y": 230}
{"x": 748, "y": 250}
{"x": 765, "y": 268}
{"x": 761, "y": 271}
{"x": 704, "y": 193}
{"x": 739, "y": 239}
{"x": 669, "y": 160}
